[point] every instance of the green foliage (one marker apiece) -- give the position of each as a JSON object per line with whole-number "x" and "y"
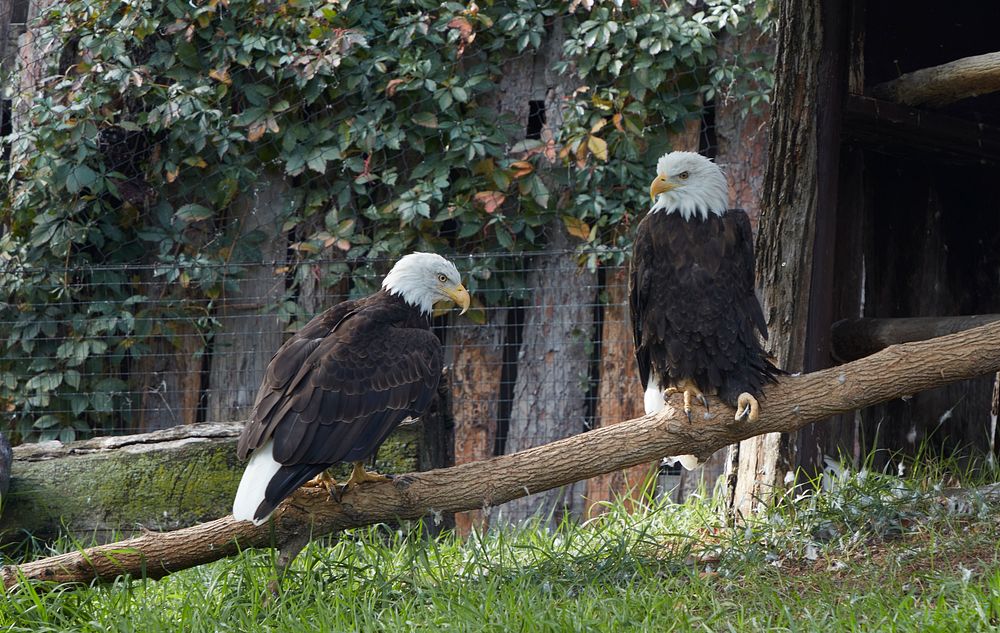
{"x": 161, "y": 116}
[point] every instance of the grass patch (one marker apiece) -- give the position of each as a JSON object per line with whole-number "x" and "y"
{"x": 854, "y": 551}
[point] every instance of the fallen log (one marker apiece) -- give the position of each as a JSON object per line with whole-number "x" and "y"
{"x": 944, "y": 84}
{"x": 107, "y": 486}
{"x": 111, "y": 487}
{"x": 791, "y": 404}
{"x": 852, "y": 339}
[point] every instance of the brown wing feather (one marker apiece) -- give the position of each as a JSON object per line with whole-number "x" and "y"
{"x": 335, "y": 390}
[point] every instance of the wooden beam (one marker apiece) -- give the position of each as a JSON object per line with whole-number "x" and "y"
{"x": 902, "y": 130}
{"x": 857, "y": 338}
{"x": 940, "y": 85}
{"x": 789, "y": 405}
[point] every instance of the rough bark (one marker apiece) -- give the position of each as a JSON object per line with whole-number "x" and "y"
{"x": 109, "y": 486}
{"x": 743, "y": 152}
{"x": 795, "y": 243}
{"x": 619, "y": 393}
{"x": 791, "y": 404}
{"x": 476, "y": 370}
{"x": 249, "y": 333}
{"x": 940, "y": 85}
{"x": 857, "y": 338}
{"x": 169, "y": 375}
{"x": 103, "y": 487}
{"x": 35, "y": 55}
{"x": 742, "y": 132}
{"x": 549, "y": 394}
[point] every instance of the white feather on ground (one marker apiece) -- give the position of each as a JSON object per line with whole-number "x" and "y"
{"x": 257, "y": 475}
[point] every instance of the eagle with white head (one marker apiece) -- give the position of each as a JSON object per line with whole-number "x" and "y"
{"x": 336, "y": 389}
{"x": 695, "y": 315}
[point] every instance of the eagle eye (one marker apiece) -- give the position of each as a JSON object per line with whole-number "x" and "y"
{"x": 683, "y": 175}
{"x": 442, "y": 277}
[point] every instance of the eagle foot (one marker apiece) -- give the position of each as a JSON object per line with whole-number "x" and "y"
{"x": 689, "y": 392}
{"x": 360, "y": 476}
{"x": 325, "y": 480}
{"x": 747, "y": 408}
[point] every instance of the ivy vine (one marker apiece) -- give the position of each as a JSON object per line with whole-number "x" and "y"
{"x": 158, "y": 115}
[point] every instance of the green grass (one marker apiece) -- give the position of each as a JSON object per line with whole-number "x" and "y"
{"x": 856, "y": 551}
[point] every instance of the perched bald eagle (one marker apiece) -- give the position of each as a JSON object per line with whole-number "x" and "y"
{"x": 334, "y": 391}
{"x": 695, "y": 317}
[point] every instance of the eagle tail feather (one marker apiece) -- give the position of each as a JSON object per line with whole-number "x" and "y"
{"x": 250, "y": 496}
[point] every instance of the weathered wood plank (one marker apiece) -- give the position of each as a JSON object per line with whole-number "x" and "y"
{"x": 901, "y": 130}
{"x": 857, "y": 338}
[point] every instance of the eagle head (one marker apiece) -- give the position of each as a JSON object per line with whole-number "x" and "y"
{"x": 689, "y": 184}
{"x": 424, "y": 279}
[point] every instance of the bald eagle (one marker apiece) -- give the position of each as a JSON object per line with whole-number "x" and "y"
{"x": 334, "y": 391}
{"x": 695, "y": 317}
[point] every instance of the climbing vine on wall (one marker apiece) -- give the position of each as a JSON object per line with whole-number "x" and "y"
{"x": 157, "y": 116}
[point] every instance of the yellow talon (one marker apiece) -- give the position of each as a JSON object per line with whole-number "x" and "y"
{"x": 747, "y": 408}
{"x": 359, "y": 476}
{"x": 326, "y": 481}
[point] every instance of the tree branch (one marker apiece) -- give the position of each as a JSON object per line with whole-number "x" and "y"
{"x": 791, "y": 404}
{"x": 944, "y": 84}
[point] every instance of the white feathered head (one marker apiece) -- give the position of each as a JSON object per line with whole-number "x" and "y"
{"x": 689, "y": 184}
{"x": 423, "y": 279}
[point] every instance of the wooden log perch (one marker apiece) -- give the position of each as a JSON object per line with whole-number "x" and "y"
{"x": 791, "y": 404}
{"x": 856, "y": 338}
{"x": 944, "y": 84}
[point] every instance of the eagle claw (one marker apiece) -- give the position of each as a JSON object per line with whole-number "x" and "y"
{"x": 747, "y": 408}
{"x": 360, "y": 476}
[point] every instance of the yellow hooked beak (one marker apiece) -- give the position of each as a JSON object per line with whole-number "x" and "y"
{"x": 658, "y": 186}
{"x": 460, "y": 296}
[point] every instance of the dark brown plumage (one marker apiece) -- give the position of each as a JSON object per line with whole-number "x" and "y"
{"x": 335, "y": 390}
{"x": 695, "y": 316}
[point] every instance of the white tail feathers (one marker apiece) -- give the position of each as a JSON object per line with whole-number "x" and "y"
{"x": 654, "y": 402}
{"x": 257, "y": 475}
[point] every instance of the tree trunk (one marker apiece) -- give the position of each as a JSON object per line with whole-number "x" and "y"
{"x": 743, "y": 153}
{"x": 793, "y": 403}
{"x": 35, "y": 55}
{"x": 475, "y": 379}
{"x": 249, "y": 333}
{"x": 795, "y": 244}
{"x": 619, "y": 393}
{"x": 741, "y": 132}
{"x": 550, "y": 392}
{"x": 169, "y": 374}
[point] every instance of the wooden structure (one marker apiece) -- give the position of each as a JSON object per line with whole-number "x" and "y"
{"x": 877, "y": 209}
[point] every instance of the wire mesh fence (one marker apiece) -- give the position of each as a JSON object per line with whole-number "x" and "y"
{"x": 152, "y": 360}
{"x": 186, "y": 183}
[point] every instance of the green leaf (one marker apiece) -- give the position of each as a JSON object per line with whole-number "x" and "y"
{"x": 46, "y": 421}
{"x": 79, "y": 177}
{"x": 192, "y": 213}
{"x": 426, "y": 119}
